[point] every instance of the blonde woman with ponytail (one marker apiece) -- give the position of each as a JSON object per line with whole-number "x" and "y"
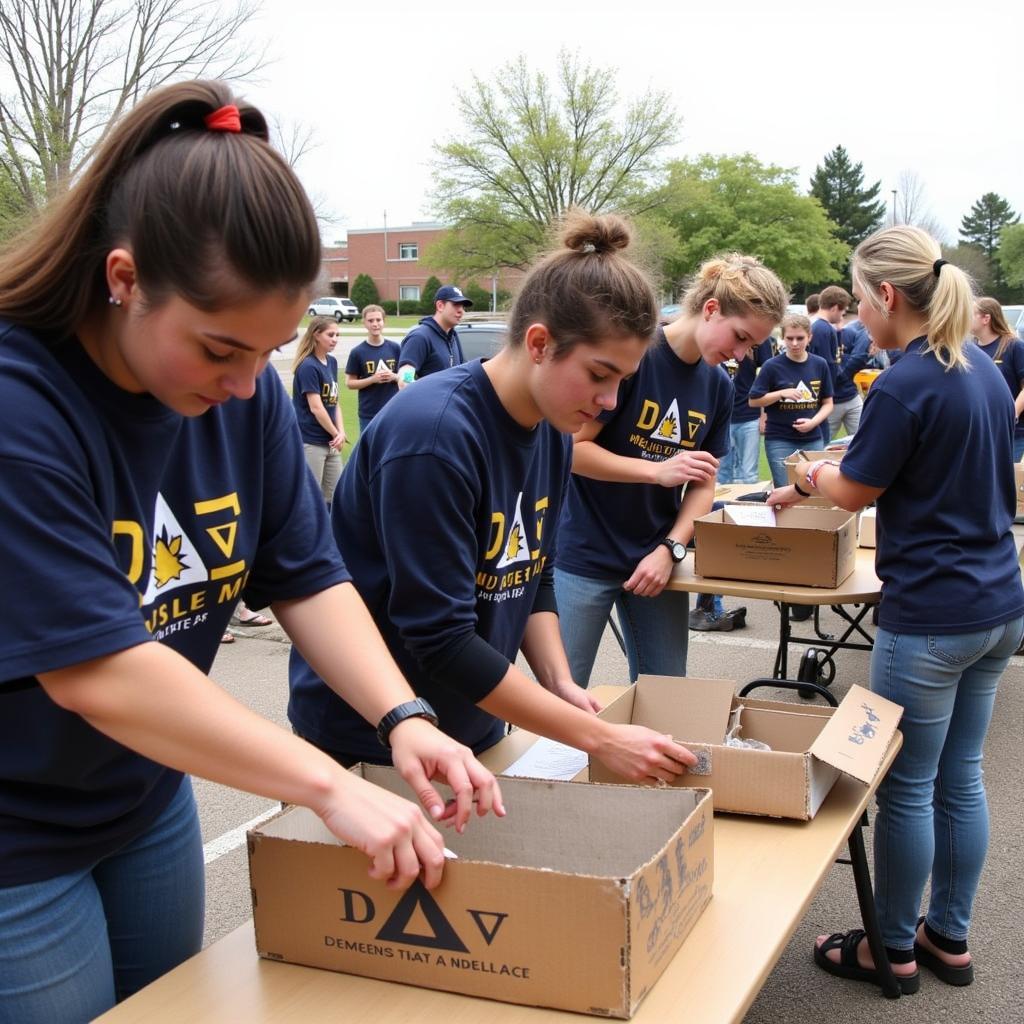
{"x": 645, "y": 470}
{"x": 934, "y": 451}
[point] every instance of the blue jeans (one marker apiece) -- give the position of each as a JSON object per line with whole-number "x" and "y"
{"x": 364, "y": 422}
{"x": 655, "y": 629}
{"x": 777, "y": 451}
{"x": 71, "y": 946}
{"x": 740, "y": 465}
{"x": 932, "y": 815}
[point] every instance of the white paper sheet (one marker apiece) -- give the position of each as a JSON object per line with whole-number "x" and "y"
{"x": 548, "y": 759}
{"x": 752, "y": 515}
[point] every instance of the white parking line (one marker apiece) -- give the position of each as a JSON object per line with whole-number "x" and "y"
{"x": 236, "y": 837}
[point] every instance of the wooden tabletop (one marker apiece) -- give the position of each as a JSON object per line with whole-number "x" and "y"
{"x": 766, "y": 874}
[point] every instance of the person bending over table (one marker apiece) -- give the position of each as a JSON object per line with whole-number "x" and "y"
{"x": 152, "y": 474}
{"x": 627, "y": 517}
{"x": 447, "y": 517}
{"x": 934, "y": 451}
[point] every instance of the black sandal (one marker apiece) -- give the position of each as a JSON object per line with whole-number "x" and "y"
{"x": 847, "y": 943}
{"x": 951, "y": 975}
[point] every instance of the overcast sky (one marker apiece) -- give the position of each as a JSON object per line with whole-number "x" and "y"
{"x": 903, "y": 85}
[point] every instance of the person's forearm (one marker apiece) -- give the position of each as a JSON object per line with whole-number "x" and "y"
{"x": 152, "y": 700}
{"x": 323, "y": 417}
{"x": 353, "y": 660}
{"x": 1018, "y": 405}
{"x": 591, "y": 460}
{"x": 543, "y": 650}
{"x": 767, "y": 399}
{"x": 519, "y": 700}
{"x": 357, "y": 384}
{"x": 823, "y": 413}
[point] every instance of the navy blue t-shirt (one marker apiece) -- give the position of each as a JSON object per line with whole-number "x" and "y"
{"x": 1011, "y": 366}
{"x": 446, "y": 516}
{"x": 853, "y": 352}
{"x": 782, "y": 372}
{"x": 122, "y": 522}
{"x": 668, "y": 406}
{"x": 427, "y": 349}
{"x": 364, "y": 361}
{"x": 940, "y": 443}
{"x": 825, "y": 343}
{"x": 314, "y": 378}
{"x": 742, "y": 374}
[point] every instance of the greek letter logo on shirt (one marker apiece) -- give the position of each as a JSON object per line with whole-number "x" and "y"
{"x": 668, "y": 428}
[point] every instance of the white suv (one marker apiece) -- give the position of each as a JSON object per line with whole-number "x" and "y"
{"x": 340, "y": 309}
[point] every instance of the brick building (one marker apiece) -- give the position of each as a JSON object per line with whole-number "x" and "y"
{"x": 393, "y": 257}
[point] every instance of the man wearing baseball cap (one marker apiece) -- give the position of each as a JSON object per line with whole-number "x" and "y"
{"x": 433, "y": 344}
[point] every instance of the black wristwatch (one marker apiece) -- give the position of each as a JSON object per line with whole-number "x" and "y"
{"x": 417, "y": 708}
{"x": 678, "y": 550}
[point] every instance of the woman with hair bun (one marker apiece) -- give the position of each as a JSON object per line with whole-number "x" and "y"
{"x": 933, "y": 450}
{"x": 645, "y": 470}
{"x": 447, "y": 514}
{"x": 1006, "y": 350}
{"x": 152, "y": 476}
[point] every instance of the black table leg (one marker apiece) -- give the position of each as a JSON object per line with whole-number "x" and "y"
{"x": 866, "y": 899}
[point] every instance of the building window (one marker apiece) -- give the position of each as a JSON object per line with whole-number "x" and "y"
{"x": 409, "y": 293}
{"x": 408, "y": 251}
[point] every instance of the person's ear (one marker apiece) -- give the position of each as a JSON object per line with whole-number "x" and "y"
{"x": 121, "y": 275}
{"x": 538, "y": 342}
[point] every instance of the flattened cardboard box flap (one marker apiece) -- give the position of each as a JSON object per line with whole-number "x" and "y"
{"x": 856, "y": 737}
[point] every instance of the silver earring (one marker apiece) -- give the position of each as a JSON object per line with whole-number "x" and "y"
{"x": 114, "y": 302}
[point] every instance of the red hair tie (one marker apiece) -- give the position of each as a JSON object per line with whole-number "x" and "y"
{"x": 226, "y": 119}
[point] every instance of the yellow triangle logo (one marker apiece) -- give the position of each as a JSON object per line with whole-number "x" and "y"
{"x": 224, "y": 537}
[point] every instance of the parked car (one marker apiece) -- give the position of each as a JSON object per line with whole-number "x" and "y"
{"x": 481, "y": 339}
{"x": 340, "y": 309}
{"x": 1015, "y": 318}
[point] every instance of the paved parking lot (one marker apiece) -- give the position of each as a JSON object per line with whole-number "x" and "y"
{"x": 255, "y": 670}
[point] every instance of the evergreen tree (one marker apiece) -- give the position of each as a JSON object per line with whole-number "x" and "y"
{"x": 364, "y": 291}
{"x": 427, "y": 293}
{"x": 838, "y": 185}
{"x": 988, "y": 216}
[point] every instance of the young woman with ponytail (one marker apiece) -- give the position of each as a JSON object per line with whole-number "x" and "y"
{"x": 934, "y": 451}
{"x": 1006, "y": 350}
{"x": 645, "y": 470}
{"x": 152, "y": 475}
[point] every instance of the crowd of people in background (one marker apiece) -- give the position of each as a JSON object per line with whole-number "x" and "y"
{"x": 488, "y": 508}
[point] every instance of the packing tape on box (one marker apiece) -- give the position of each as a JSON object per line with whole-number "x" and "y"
{"x": 703, "y": 765}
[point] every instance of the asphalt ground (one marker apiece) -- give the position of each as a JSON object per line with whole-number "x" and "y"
{"x": 254, "y": 669}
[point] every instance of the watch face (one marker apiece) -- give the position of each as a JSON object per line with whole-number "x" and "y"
{"x": 678, "y": 552}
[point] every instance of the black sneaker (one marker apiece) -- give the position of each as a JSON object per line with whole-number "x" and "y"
{"x": 710, "y": 622}
{"x": 801, "y": 612}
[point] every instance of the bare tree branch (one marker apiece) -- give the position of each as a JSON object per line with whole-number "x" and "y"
{"x": 68, "y": 68}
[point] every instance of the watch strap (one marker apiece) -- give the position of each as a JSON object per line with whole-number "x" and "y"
{"x": 417, "y": 708}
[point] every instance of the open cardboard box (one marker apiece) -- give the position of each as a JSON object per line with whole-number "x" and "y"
{"x": 812, "y": 547}
{"x": 577, "y": 900}
{"x": 811, "y": 745}
{"x": 813, "y": 456}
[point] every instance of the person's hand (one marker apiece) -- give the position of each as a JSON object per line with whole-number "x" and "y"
{"x": 783, "y": 497}
{"x": 337, "y": 441}
{"x": 792, "y": 395}
{"x": 762, "y": 423}
{"x": 686, "y": 467}
{"x": 640, "y": 754}
{"x": 422, "y": 753}
{"x": 651, "y": 574}
{"x": 390, "y": 830}
{"x": 804, "y": 425}
{"x": 385, "y": 376}
{"x": 575, "y": 695}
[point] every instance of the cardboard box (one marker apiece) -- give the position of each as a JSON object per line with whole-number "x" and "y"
{"x": 791, "y": 460}
{"x": 577, "y": 900}
{"x": 811, "y": 745}
{"x": 866, "y": 528}
{"x": 812, "y": 547}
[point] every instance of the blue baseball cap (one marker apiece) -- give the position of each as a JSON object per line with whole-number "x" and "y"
{"x": 449, "y": 293}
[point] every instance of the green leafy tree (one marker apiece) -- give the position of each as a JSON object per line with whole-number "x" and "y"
{"x": 530, "y": 149}
{"x": 364, "y": 291}
{"x": 723, "y": 203}
{"x": 838, "y": 184}
{"x": 427, "y": 293}
{"x": 971, "y": 260}
{"x": 480, "y": 296}
{"x": 1010, "y": 254}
